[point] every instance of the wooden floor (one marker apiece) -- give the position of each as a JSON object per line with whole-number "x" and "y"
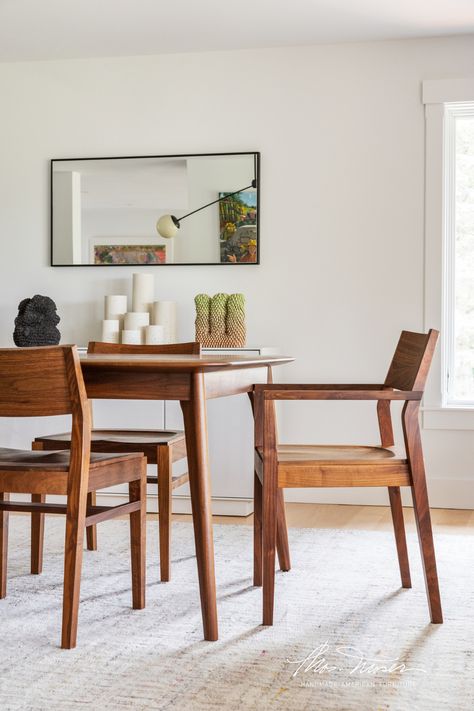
{"x": 369, "y": 518}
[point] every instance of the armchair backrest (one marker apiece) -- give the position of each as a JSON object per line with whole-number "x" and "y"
{"x": 191, "y": 348}
{"x": 411, "y": 362}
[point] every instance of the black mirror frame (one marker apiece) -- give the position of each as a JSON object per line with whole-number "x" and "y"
{"x": 257, "y": 159}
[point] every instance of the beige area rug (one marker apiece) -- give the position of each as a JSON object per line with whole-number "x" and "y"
{"x": 367, "y": 643}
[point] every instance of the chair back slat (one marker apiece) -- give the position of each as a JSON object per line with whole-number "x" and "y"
{"x": 37, "y": 382}
{"x": 192, "y": 348}
{"x": 411, "y": 361}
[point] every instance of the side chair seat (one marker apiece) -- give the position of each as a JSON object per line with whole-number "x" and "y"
{"x": 146, "y": 441}
{"x": 57, "y": 463}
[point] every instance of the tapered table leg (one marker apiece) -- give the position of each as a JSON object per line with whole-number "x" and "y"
{"x": 195, "y": 425}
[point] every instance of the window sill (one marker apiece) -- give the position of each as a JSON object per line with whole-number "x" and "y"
{"x": 448, "y": 418}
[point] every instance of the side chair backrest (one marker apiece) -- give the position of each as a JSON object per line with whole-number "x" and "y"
{"x": 411, "y": 362}
{"x": 37, "y": 382}
{"x": 192, "y": 348}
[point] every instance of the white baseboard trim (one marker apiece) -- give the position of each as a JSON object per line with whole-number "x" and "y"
{"x": 443, "y": 494}
{"x": 221, "y": 506}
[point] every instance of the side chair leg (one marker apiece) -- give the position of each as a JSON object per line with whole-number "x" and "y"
{"x": 91, "y": 531}
{"x": 75, "y": 524}
{"x": 3, "y": 546}
{"x": 283, "y": 547}
{"x": 137, "y": 491}
{"x": 37, "y": 527}
{"x": 164, "y": 509}
{"x": 37, "y": 536}
{"x": 257, "y": 532}
{"x": 400, "y": 538}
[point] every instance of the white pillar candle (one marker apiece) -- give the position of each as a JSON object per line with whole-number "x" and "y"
{"x": 110, "y": 330}
{"x": 154, "y": 335}
{"x": 164, "y": 314}
{"x": 132, "y": 336}
{"x": 134, "y": 319}
{"x": 143, "y": 290}
{"x": 115, "y": 306}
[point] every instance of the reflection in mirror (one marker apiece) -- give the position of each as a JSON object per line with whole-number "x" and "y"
{"x": 155, "y": 210}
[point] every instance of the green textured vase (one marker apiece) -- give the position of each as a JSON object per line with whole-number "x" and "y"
{"x": 220, "y": 320}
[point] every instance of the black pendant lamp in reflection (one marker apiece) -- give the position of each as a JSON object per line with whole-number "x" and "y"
{"x": 168, "y": 225}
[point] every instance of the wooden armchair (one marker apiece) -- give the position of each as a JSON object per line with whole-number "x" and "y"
{"x": 37, "y": 382}
{"x": 283, "y": 466}
{"x": 161, "y": 447}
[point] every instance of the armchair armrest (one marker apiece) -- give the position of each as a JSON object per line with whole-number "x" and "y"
{"x": 290, "y": 391}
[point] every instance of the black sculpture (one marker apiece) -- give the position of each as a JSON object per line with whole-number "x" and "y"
{"x": 36, "y": 323}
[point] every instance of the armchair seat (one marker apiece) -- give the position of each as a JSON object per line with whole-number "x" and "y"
{"x": 302, "y": 465}
{"x": 339, "y": 454}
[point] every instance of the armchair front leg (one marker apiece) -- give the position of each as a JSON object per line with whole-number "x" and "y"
{"x": 411, "y": 431}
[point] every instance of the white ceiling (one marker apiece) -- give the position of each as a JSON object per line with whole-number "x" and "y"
{"x": 54, "y": 29}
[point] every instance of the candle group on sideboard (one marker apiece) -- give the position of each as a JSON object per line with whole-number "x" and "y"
{"x": 149, "y": 321}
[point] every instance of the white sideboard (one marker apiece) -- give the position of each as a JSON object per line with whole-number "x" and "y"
{"x": 230, "y": 429}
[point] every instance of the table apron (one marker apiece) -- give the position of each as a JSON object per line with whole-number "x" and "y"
{"x": 136, "y": 384}
{"x": 120, "y": 384}
{"x": 233, "y": 382}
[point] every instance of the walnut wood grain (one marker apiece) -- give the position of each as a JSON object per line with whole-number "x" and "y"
{"x": 269, "y": 509}
{"x": 400, "y": 536}
{"x": 257, "y": 531}
{"x": 43, "y": 382}
{"x": 173, "y": 377}
{"x": 411, "y": 361}
{"x": 283, "y": 548}
{"x": 161, "y": 447}
{"x": 190, "y": 348}
{"x": 316, "y": 465}
{"x": 165, "y": 490}
{"x": 4, "y": 497}
{"x": 137, "y": 495}
{"x": 297, "y": 392}
{"x": 411, "y": 432}
{"x": 195, "y": 423}
{"x": 387, "y": 440}
{"x": 177, "y": 363}
{"x": 37, "y": 537}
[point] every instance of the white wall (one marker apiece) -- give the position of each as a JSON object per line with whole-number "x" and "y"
{"x": 341, "y": 132}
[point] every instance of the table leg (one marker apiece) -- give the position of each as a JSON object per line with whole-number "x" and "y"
{"x": 195, "y": 425}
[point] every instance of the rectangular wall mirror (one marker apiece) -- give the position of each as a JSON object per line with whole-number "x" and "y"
{"x": 155, "y": 210}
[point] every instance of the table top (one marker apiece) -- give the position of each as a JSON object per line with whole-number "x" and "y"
{"x": 183, "y": 363}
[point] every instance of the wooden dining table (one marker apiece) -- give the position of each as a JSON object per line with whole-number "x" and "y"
{"x": 191, "y": 379}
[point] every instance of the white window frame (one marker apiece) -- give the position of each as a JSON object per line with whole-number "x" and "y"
{"x": 438, "y": 413}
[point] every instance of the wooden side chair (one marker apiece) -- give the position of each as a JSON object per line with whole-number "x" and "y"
{"x": 37, "y": 382}
{"x": 278, "y": 467}
{"x": 161, "y": 447}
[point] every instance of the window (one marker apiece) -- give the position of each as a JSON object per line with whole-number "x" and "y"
{"x": 458, "y": 297}
{"x": 449, "y": 251}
